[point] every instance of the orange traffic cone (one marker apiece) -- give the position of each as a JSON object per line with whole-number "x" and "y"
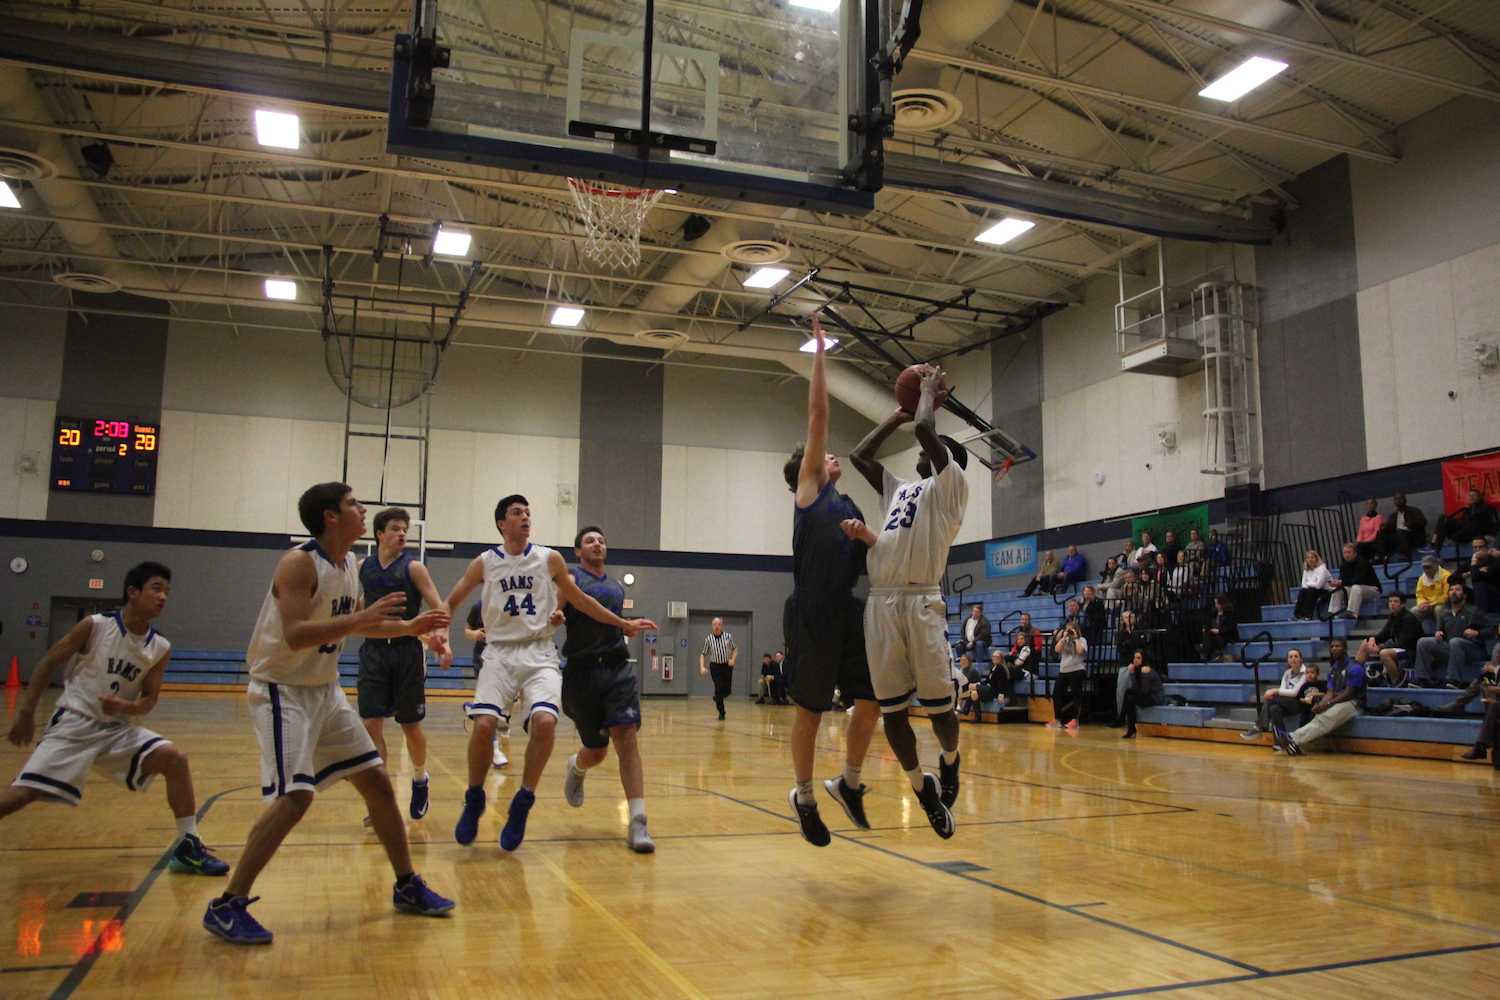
{"x": 14, "y": 680}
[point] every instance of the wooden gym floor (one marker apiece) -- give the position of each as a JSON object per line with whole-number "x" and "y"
{"x": 1083, "y": 865}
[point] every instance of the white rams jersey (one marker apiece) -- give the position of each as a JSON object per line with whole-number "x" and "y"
{"x": 519, "y": 594}
{"x": 921, "y": 521}
{"x": 271, "y": 660}
{"x": 115, "y": 661}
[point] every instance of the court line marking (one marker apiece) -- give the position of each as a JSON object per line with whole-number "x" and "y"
{"x": 80, "y": 968}
{"x": 36, "y": 968}
{"x": 1262, "y": 882}
{"x": 1018, "y": 893}
{"x": 1304, "y": 970}
{"x": 639, "y": 946}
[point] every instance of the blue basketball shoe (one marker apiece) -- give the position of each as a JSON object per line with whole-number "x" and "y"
{"x": 415, "y": 897}
{"x": 468, "y": 821}
{"x": 515, "y": 824}
{"x": 229, "y": 918}
{"x": 190, "y": 857}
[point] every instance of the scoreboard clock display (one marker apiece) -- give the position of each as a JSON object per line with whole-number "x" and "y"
{"x": 105, "y": 455}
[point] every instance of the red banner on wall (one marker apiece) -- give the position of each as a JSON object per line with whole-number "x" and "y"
{"x": 1460, "y": 475}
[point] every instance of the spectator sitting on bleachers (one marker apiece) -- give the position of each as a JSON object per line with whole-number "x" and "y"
{"x": 1481, "y": 576}
{"x": 1343, "y": 701}
{"x": 1285, "y": 698}
{"x": 1000, "y": 684}
{"x": 1143, "y": 690}
{"x": 1025, "y": 637}
{"x": 1397, "y": 637}
{"x": 1479, "y": 518}
{"x": 1181, "y": 577}
{"x": 1404, "y": 530}
{"x": 1169, "y": 549}
{"x": 972, "y": 677}
{"x": 1221, "y": 631}
{"x": 975, "y": 635}
{"x": 1138, "y": 557}
{"x": 1046, "y": 575}
{"x": 1432, "y": 588}
{"x": 1461, "y": 632}
{"x": 1091, "y": 610}
{"x": 1315, "y": 578}
{"x": 1359, "y": 581}
{"x": 1196, "y": 550}
{"x": 1366, "y": 539}
{"x": 1486, "y": 687}
{"x": 1112, "y": 578}
{"x": 1074, "y": 568}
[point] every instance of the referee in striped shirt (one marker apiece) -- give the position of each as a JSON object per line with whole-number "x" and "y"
{"x": 717, "y": 657}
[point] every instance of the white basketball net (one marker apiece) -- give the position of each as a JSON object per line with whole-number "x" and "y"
{"x": 612, "y": 219}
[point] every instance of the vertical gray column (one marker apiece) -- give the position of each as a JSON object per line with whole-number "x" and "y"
{"x": 1311, "y": 391}
{"x": 112, "y": 366}
{"x": 1016, "y": 380}
{"x": 619, "y": 452}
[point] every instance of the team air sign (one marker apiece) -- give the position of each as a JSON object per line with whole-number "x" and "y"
{"x": 1014, "y": 556}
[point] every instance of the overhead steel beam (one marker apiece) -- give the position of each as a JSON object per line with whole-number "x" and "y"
{"x": 1132, "y": 100}
{"x": 1312, "y": 48}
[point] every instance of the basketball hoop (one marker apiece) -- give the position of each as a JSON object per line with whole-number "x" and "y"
{"x": 1002, "y": 473}
{"x": 612, "y": 219}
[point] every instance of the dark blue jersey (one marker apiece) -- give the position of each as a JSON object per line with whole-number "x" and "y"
{"x": 378, "y": 580}
{"x": 825, "y": 562}
{"x": 588, "y": 639}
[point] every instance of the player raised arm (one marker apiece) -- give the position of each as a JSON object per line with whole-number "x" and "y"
{"x": 813, "y": 475}
{"x": 568, "y": 590}
{"x": 294, "y": 588}
{"x": 926, "y": 420}
{"x": 863, "y": 455}
{"x": 23, "y": 730}
{"x": 150, "y": 691}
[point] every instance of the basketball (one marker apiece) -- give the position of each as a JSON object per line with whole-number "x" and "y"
{"x": 909, "y": 389}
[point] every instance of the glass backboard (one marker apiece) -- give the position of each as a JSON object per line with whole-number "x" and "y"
{"x": 749, "y": 99}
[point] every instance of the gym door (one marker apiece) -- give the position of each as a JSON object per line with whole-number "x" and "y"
{"x": 738, "y": 625}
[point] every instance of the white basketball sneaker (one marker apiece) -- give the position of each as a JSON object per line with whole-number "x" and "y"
{"x": 499, "y": 760}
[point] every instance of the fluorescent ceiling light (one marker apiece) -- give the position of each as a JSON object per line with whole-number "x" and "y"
{"x": 277, "y": 288}
{"x": 765, "y": 277}
{"x": 668, "y": 190}
{"x": 277, "y": 128}
{"x": 823, "y": 6}
{"x": 451, "y": 243}
{"x": 1242, "y": 79}
{"x": 567, "y": 316}
{"x": 8, "y": 197}
{"x": 811, "y": 347}
{"x": 1005, "y": 230}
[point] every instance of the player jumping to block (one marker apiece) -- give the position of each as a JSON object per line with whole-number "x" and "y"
{"x": 599, "y": 691}
{"x": 309, "y": 734}
{"x": 522, "y": 586}
{"x": 906, "y": 619}
{"x": 825, "y": 637}
{"x": 115, "y": 664}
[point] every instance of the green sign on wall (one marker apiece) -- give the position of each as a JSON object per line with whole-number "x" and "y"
{"x": 1182, "y": 520}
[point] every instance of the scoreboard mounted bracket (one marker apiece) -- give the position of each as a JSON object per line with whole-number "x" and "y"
{"x": 105, "y": 455}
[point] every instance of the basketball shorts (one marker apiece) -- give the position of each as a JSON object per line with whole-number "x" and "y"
{"x": 599, "y": 695}
{"x": 906, "y": 634}
{"x": 826, "y": 650}
{"x": 309, "y": 736}
{"x": 528, "y": 670}
{"x": 72, "y": 743}
{"x": 393, "y": 680}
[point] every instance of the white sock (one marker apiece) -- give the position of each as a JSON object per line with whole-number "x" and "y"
{"x": 187, "y": 825}
{"x": 805, "y": 793}
{"x": 420, "y": 779}
{"x": 917, "y": 778}
{"x": 573, "y": 765}
{"x": 851, "y": 776}
{"x": 637, "y": 808}
{"x": 950, "y": 756}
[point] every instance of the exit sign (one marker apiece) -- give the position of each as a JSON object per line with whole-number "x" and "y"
{"x": 96, "y": 584}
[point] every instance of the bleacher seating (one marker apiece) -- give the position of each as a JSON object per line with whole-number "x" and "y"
{"x": 1221, "y": 696}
